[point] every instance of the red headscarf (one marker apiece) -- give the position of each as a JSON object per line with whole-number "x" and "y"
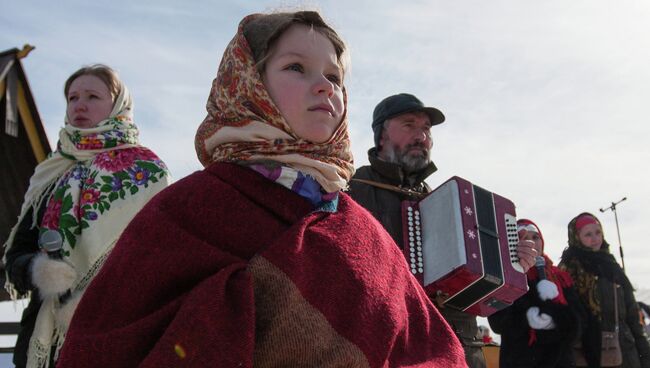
{"x": 560, "y": 278}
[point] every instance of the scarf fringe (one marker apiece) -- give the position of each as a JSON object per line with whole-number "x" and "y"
{"x": 40, "y": 353}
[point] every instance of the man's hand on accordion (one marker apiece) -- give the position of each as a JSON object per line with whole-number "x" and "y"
{"x": 526, "y": 252}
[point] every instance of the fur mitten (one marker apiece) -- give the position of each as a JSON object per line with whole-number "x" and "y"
{"x": 52, "y": 276}
{"x": 539, "y": 321}
{"x": 547, "y": 290}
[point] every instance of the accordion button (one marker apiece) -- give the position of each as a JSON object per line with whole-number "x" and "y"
{"x": 412, "y": 255}
{"x": 414, "y": 271}
{"x": 419, "y": 254}
{"x": 420, "y": 270}
{"x": 412, "y": 259}
{"x": 410, "y": 209}
{"x": 419, "y": 248}
{"x": 420, "y": 264}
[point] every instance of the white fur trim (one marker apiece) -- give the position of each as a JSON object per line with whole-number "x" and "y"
{"x": 547, "y": 290}
{"x": 64, "y": 314}
{"x": 51, "y": 276}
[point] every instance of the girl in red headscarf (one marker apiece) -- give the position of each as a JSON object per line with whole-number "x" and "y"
{"x": 538, "y": 329}
{"x": 606, "y": 294}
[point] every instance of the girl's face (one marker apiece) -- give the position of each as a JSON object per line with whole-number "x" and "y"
{"x": 305, "y": 81}
{"x": 89, "y": 102}
{"x": 591, "y": 236}
{"x": 539, "y": 244}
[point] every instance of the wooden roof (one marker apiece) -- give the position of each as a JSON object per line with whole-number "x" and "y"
{"x": 23, "y": 142}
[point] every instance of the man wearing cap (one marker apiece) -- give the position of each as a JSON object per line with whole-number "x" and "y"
{"x": 399, "y": 164}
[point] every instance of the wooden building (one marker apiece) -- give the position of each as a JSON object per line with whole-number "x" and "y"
{"x": 23, "y": 142}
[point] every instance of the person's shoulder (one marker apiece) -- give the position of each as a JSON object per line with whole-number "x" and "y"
{"x": 364, "y": 172}
{"x": 198, "y": 182}
{"x": 196, "y": 198}
{"x": 350, "y": 208}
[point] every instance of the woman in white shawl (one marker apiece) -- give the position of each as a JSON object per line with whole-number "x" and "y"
{"x": 82, "y": 197}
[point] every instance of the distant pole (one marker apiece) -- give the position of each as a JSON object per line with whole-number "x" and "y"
{"x": 618, "y": 232}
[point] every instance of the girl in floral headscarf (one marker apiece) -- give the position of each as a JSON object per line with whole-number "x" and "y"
{"x": 539, "y": 328}
{"x": 600, "y": 282}
{"x": 80, "y": 198}
{"x": 266, "y": 262}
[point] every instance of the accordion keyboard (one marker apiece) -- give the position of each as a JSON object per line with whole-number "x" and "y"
{"x": 513, "y": 241}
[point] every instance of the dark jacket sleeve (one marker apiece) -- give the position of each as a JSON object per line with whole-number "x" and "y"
{"x": 567, "y": 317}
{"x": 633, "y": 322}
{"x": 511, "y": 317}
{"x": 21, "y": 253}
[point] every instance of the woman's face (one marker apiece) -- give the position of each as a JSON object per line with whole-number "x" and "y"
{"x": 89, "y": 102}
{"x": 591, "y": 236}
{"x": 539, "y": 244}
{"x": 305, "y": 82}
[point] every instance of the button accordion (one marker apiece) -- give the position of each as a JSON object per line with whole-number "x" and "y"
{"x": 461, "y": 243}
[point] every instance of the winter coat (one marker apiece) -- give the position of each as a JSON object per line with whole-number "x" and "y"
{"x": 632, "y": 337}
{"x": 386, "y": 206}
{"x": 521, "y": 347}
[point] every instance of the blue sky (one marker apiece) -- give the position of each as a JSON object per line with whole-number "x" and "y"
{"x": 546, "y": 102}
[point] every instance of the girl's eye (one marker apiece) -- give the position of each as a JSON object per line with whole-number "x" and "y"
{"x": 334, "y": 79}
{"x": 295, "y": 67}
{"x": 72, "y": 98}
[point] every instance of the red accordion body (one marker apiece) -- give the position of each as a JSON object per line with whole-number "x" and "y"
{"x": 461, "y": 241}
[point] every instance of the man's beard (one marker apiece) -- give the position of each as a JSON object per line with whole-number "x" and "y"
{"x": 409, "y": 162}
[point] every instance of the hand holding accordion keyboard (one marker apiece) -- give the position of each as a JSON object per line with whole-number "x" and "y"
{"x": 461, "y": 240}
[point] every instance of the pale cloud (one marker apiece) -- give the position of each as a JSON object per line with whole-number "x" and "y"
{"x": 545, "y": 101}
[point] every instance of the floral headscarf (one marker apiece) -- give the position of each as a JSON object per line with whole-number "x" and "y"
{"x": 243, "y": 124}
{"x": 94, "y": 183}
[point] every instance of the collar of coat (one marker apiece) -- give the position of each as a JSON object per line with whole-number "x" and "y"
{"x": 396, "y": 174}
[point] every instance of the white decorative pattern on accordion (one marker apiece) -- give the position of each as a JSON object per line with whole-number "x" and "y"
{"x": 415, "y": 241}
{"x": 513, "y": 241}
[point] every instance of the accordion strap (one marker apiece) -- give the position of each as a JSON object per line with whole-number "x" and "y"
{"x": 615, "y": 307}
{"x": 394, "y": 188}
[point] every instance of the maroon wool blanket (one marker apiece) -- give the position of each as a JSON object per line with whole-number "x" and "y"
{"x": 227, "y": 269}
